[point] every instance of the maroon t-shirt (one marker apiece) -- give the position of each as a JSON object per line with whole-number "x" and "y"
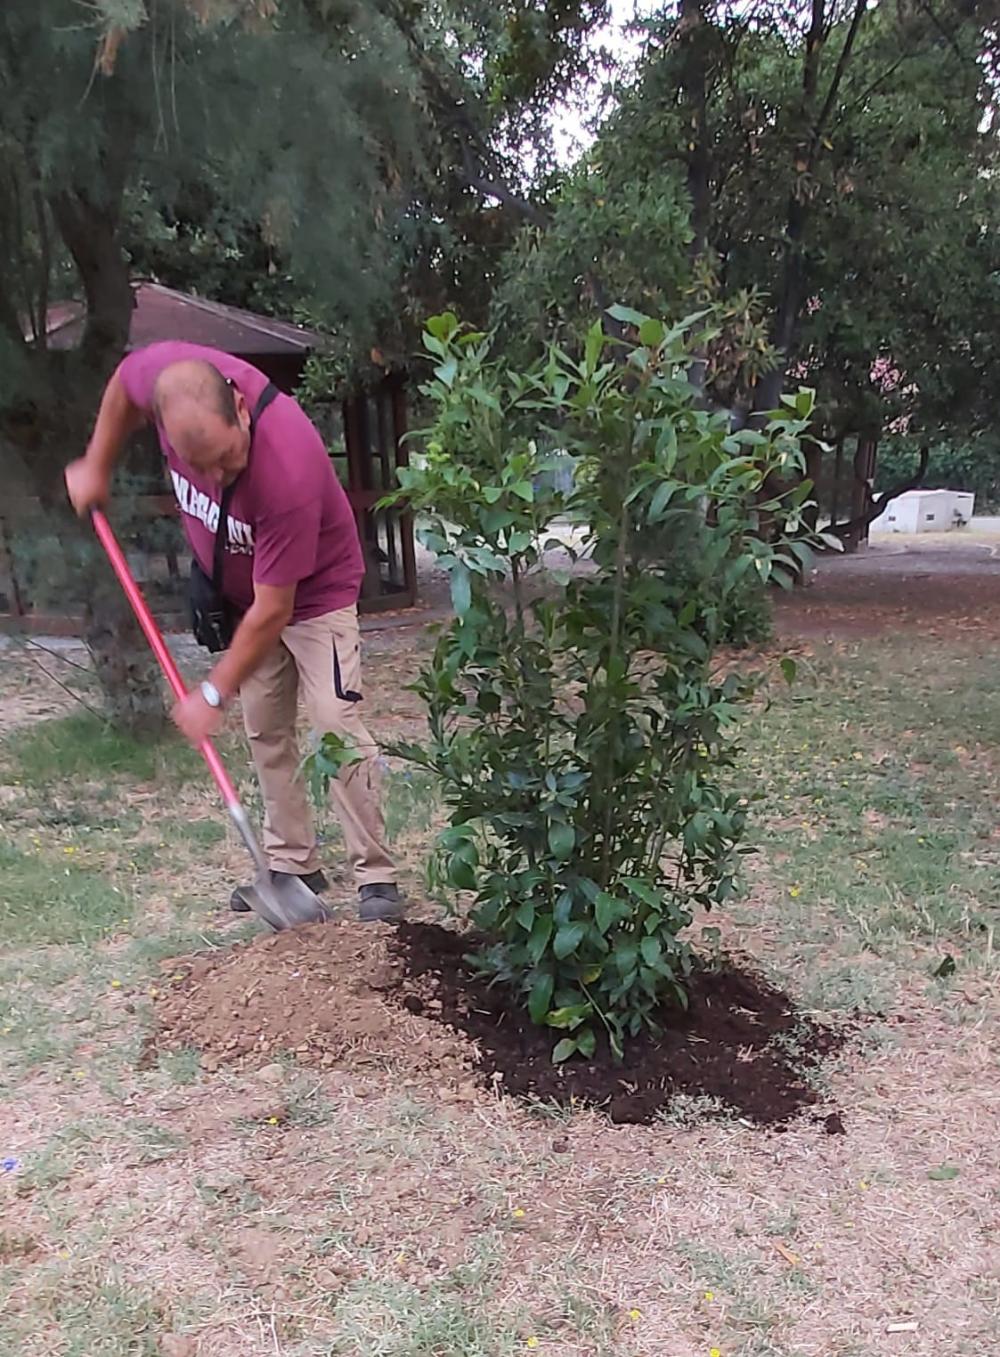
{"x": 289, "y": 520}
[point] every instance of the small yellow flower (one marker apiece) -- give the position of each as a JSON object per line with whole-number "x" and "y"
{"x": 272, "y": 1121}
{"x": 710, "y": 1295}
{"x": 532, "y": 1342}
{"x": 116, "y": 984}
{"x": 69, "y": 850}
{"x": 863, "y": 1186}
{"x": 635, "y": 1316}
{"x": 795, "y": 891}
{"x": 518, "y": 1213}
{"x": 79, "y": 1074}
{"x": 715, "y": 1352}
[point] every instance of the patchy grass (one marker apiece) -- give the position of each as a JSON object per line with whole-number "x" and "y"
{"x": 878, "y": 828}
{"x": 82, "y": 748}
{"x": 45, "y": 900}
{"x": 169, "y": 1210}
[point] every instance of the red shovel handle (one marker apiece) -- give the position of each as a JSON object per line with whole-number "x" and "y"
{"x": 159, "y": 647}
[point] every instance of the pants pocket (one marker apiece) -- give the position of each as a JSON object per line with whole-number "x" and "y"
{"x": 348, "y": 695}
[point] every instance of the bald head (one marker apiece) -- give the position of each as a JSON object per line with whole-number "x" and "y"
{"x": 205, "y": 418}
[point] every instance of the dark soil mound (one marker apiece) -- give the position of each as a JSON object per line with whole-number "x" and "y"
{"x": 741, "y": 1041}
{"x": 349, "y": 995}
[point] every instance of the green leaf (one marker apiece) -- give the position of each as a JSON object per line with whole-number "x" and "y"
{"x": 540, "y": 935}
{"x": 605, "y": 912}
{"x": 446, "y": 371}
{"x": 524, "y": 490}
{"x": 789, "y": 669}
{"x": 664, "y": 494}
{"x": 562, "y": 839}
{"x": 651, "y": 951}
{"x": 491, "y": 493}
{"x": 564, "y": 1050}
{"x": 594, "y": 345}
{"x": 461, "y": 590}
{"x": 525, "y": 915}
{"x": 540, "y": 998}
{"x": 944, "y": 1173}
{"x": 568, "y": 939}
{"x": 651, "y": 333}
{"x": 444, "y": 325}
{"x": 586, "y": 1043}
{"x": 569, "y": 1017}
{"x": 626, "y": 316}
{"x": 461, "y": 874}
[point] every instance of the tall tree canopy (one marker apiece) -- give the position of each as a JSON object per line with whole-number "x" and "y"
{"x": 829, "y": 171}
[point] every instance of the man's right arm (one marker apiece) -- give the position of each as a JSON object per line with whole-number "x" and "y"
{"x": 88, "y": 480}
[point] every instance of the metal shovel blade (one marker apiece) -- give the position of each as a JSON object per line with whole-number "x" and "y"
{"x": 284, "y": 903}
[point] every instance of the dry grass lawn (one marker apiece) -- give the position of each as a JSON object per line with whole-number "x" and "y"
{"x": 374, "y": 1207}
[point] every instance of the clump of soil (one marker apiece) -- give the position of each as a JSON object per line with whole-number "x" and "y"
{"x": 349, "y": 995}
{"x": 326, "y": 993}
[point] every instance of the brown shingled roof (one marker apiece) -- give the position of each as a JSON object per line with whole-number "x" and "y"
{"x": 162, "y": 313}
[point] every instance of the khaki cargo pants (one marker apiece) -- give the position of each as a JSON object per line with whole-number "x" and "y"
{"x": 321, "y": 659}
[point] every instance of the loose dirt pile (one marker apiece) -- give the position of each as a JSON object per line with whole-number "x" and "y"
{"x": 404, "y": 1000}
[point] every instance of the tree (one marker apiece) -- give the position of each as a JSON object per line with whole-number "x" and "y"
{"x": 304, "y": 122}
{"x": 829, "y": 171}
{"x": 574, "y": 724}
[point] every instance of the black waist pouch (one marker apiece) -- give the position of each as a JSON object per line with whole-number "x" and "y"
{"x": 213, "y": 620}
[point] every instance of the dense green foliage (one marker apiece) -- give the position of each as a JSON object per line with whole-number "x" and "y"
{"x": 574, "y": 722}
{"x": 827, "y": 171}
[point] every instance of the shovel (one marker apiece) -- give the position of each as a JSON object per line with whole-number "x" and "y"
{"x": 284, "y": 903}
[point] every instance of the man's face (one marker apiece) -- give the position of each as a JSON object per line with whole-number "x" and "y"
{"x": 212, "y": 447}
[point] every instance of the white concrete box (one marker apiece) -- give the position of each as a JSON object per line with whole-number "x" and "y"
{"x": 926, "y": 511}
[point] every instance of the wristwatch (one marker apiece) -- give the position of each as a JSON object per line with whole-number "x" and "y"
{"x": 211, "y": 694}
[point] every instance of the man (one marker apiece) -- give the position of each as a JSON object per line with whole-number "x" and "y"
{"x": 290, "y": 570}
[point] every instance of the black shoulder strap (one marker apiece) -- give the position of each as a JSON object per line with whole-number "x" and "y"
{"x": 269, "y": 394}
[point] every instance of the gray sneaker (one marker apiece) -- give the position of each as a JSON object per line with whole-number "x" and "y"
{"x": 316, "y": 881}
{"x": 381, "y": 902}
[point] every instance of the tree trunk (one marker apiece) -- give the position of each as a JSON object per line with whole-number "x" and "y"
{"x": 789, "y": 290}
{"x": 694, "y": 88}
{"x": 813, "y": 120}
{"x": 125, "y": 667}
